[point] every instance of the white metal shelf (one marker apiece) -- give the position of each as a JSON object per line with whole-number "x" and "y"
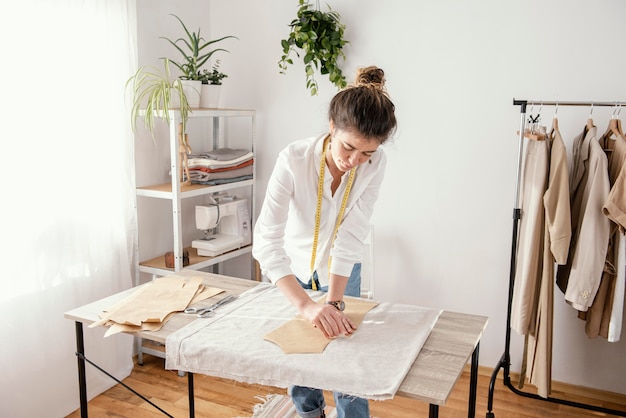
{"x": 201, "y": 112}
{"x": 226, "y": 113}
{"x": 156, "y": 266}
{"x": 164, "y": 191}
{"x": 176, "y": 192}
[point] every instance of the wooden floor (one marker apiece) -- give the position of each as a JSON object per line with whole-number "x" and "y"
{"x": 217, "y": 398}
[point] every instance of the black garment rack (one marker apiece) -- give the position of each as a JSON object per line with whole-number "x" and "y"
{"x": 504, "y": 362}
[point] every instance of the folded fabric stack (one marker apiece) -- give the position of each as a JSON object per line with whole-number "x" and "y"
{"x": 221, "y": 165}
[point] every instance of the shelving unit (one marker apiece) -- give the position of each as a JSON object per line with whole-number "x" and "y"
{"x": 177, "y": 193}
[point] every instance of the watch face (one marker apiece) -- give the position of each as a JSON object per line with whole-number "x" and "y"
{"x": 338, "y": 304}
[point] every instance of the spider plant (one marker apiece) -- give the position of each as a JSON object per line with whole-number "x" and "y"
{"x": 152, "y": 92}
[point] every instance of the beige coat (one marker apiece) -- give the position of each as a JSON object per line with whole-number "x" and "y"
{"x": 615, "y": 206}
{"x": 579, "y": 279}
{"x": 603, "y": 311}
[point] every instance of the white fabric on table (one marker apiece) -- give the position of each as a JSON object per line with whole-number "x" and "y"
{"x": 372, "y": 363}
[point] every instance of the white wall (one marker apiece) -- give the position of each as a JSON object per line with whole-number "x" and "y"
{"x": 444, "y": 219}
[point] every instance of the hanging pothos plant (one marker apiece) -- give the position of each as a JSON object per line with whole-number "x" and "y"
{"x": 319, "y": 35}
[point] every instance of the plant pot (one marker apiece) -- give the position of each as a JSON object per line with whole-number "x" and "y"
{"x": 210, "y": 95}
{"x": 192, "y": 89}
{"x": 174, "y": 99}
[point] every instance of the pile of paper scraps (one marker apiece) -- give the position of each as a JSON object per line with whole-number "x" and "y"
{"x": 151, "y": 305}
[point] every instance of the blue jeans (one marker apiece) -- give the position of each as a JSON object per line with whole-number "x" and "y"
{"x": 310, "y": 402}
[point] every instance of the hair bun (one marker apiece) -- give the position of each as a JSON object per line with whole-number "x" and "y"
{"x": 364, "y": 106}
{"x": 370, "y": 76}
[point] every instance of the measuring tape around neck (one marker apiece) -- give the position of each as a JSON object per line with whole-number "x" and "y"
{"x": 318, "y": 210}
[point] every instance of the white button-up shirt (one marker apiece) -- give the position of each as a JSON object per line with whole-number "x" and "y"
{"x": 284, "y": 231}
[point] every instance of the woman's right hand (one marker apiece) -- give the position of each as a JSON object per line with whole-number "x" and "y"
{"x": 328, "y": 319}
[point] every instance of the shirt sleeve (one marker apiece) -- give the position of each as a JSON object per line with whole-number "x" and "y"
{"x": 269, "y": 230}
{"x": 349, "y": 244}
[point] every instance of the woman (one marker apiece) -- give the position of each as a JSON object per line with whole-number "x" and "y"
{"x": 316, "y": 214}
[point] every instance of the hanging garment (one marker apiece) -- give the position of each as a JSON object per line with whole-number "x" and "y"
{"x": 579, "y": 279}
{"x": 615, "y": 206}
{"x": 606, "y": 307}
{"x": 556, "y": 239}
{"x": 617, "y": 311}
{"x": 530, "y": 243}
{"x": 615, "y": 210}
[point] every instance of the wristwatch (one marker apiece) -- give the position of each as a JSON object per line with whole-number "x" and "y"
{"x": 337, "y": 304}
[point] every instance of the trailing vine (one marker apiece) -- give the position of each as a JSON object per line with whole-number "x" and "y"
{"x": 319, "y": 35}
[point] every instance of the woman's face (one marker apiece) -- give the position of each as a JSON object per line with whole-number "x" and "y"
{"x": 349, "y": 149}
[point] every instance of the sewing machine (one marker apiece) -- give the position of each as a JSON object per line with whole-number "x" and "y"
{"x": 226, "y": 226}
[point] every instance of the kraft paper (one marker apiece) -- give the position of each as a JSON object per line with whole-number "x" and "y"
{"x": 150, "y": 306}
{"x": 299, "y": 336}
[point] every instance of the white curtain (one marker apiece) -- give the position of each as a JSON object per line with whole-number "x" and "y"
{"x": 67, "y": 212}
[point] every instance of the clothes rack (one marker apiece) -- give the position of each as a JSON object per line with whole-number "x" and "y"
{"x": 504, "y": 362}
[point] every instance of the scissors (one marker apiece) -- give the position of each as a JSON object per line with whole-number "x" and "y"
{"x": 207, "y": 312}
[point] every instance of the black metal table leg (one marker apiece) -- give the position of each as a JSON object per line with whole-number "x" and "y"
{"x": 82, "y": 379}
{"x": 471, "y": 409}
{"x": 433, "y": 411}
{"x": 190, "y": 389}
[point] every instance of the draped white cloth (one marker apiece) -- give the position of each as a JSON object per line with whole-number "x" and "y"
{"x": 67, "y": 213}
{"x": 372, "y": 363}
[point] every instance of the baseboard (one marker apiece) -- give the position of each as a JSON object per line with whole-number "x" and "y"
{"x": 559, "y": 388}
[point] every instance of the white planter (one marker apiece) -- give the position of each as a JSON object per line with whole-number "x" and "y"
{"x": 192, "y": 89}
{"x": 210, "y": 95}
{"x": 174, "y": 99}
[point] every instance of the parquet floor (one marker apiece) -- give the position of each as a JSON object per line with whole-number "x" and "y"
{"x": 220, "y": 398}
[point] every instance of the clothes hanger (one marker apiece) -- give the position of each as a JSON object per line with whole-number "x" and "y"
{"x": 613, "y": 131}
{"x": 619, "y": 121}
{"x": 555, "y": 120}
{"x": 589, "y": 120}
{"x": 533, "y": 130}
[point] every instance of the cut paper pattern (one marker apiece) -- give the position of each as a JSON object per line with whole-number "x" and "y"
{"x": 299, "y": 336}
{"x": 152, "y": 305}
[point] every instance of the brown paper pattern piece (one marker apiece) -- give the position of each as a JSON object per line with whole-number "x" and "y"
{"x": 151, "y": 305}
{"x": 115, "y": 328}
{"x": 299, "y": 336}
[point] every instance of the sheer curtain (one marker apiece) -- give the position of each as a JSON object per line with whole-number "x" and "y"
{"x": 67, "y": 213}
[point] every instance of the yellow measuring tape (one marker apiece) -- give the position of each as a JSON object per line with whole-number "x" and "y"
{"x": 318, "y": 211}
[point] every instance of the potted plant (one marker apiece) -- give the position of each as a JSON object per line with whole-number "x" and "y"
{"x": 192, "y": 49}
{"x": 211, "y": 86}
{"x": 319, "y": 35}
{"x": 154, "y": 94}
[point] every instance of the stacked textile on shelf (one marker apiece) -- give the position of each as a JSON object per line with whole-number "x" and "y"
{"x": 220, "y": 166}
